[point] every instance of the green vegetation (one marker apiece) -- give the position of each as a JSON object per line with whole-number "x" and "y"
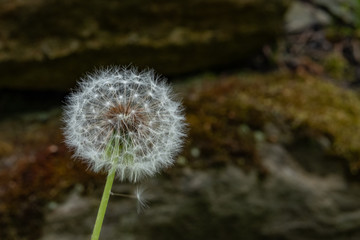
{"x": 225, "y": 117}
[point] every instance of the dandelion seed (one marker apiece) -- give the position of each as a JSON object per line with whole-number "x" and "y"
{"x": 138, "y": 195}
{"x": 141, "y": 199}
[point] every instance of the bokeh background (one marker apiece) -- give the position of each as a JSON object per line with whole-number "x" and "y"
{"x": 271, "y": 91}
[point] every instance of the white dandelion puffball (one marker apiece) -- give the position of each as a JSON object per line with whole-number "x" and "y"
{"x": 127, "y": 118}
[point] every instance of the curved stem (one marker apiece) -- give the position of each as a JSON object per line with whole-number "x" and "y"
{"x": 112, "y": 151}
{"x": 104, "y": 203}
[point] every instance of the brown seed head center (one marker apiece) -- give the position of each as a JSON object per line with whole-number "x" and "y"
{"x": 125, "y": 118}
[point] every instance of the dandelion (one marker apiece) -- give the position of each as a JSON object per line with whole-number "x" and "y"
{"x": 125, "y": 122}
{"x": 123, "y": 117}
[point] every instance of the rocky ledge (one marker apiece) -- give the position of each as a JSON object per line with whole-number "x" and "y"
{"x": 49, "y": 44}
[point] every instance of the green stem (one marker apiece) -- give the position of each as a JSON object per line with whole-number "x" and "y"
{"x": 103, "y": 204}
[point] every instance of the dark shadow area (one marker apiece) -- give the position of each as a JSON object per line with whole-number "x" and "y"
{"x": 14, "y": 102}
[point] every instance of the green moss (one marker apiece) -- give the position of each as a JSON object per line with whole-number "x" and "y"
{"x": 220, "y": 128}
{"x": 219, "y": 111}
{"x": 316, "y": 104}
{"x": 335, "y": 65}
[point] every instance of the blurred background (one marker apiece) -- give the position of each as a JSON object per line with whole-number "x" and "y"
{"x": 272, "y": 98}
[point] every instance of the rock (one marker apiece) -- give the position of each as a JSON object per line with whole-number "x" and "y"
{"x": 228, "y": 203}
{"x": 49, "y": 44}
{"x": 345, "y": 11}
{"x": 75, "y": 208}
{"x": 302, "y": 16}
{"x": 306, "y": 14}
{"x": 258, "y": 164}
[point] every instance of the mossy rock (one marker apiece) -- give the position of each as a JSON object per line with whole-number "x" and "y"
{"x": 303, "y": 103}
{"x": 227, "y": 117}
{"x": 49, "y": 44}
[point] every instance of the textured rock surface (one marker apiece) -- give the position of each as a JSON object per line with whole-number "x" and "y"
{"x": 224, "y": 203}
{"x": 247, "y": 175}
{"x": 259, "y": 163}
{"x": 301, "y": 16}
{"x": 49, "y": 44}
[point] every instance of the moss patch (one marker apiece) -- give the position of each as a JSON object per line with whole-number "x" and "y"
{"x": 226, "y": 117}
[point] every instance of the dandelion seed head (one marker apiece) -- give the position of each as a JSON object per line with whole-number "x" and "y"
{"x": 121, "y": 115}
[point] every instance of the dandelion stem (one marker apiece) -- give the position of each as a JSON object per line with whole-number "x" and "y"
{"x": 104, "y": 203}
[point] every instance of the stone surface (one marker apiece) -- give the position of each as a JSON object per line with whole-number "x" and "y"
{"x": 302, "y": 16}
{"x": 50, "y": 44}
{"x": 305, "y": 14}
{"x": 225, "y": 203}
{"x": 258, "y": 164}
{"x": 347, "y": 10}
